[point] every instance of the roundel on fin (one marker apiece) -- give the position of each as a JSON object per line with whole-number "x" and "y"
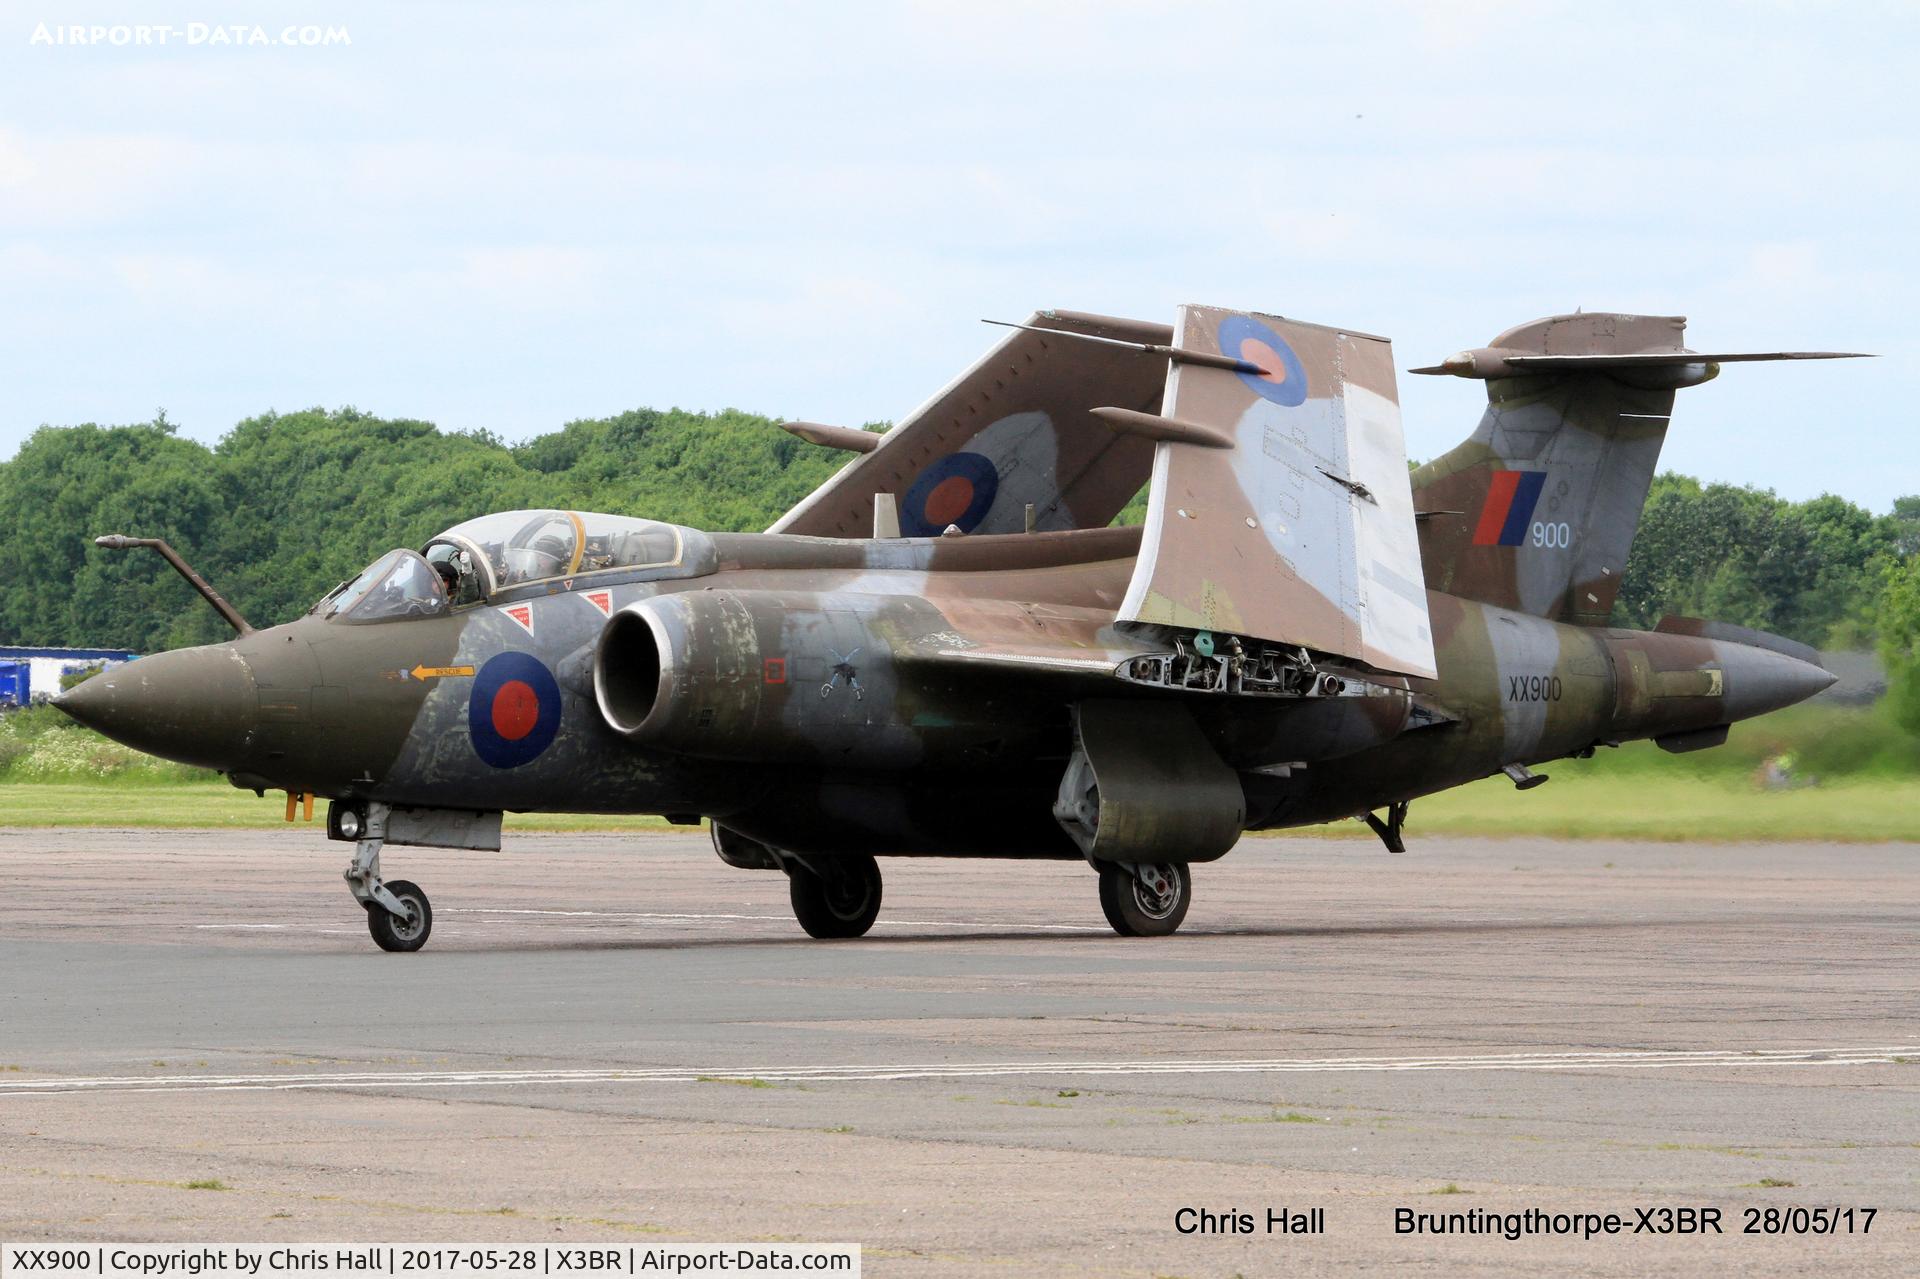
{"x": 1282, "y": 379}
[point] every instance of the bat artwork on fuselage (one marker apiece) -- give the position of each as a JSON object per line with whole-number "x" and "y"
{"x": 949, "y": 650}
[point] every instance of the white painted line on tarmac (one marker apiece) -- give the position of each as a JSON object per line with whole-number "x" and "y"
{"x": 1636, "y": 1059}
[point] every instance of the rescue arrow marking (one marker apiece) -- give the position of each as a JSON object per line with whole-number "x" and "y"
{"x": 439, "y": 672}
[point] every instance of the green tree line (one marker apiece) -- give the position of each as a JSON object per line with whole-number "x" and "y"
{"x": 286, "y": 505}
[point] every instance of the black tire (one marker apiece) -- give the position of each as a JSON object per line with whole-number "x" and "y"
{"x": 841, "y": 904}
{"x": 1135, "y": 910}
{"x": 391, "y": 933}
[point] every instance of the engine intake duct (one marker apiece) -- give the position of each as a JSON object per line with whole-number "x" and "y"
{"x": 683, "y": 673}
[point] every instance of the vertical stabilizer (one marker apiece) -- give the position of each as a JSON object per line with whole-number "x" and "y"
{"x": 1537, "y": 510}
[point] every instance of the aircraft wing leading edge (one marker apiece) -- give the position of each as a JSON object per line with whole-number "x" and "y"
{"x": 1281, "y": 507}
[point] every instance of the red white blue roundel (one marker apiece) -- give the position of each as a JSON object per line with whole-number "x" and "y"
{"x": 958, "y": 489}
{"x": 1282, "y": 378}
{"x": 514, "y": 710}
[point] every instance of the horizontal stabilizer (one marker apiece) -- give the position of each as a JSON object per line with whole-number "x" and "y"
{"x": 1655, "y": 358}
{"x": 1496, "y": 362}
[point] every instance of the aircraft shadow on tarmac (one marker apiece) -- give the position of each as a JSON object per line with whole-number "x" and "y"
{"x": 1184, "y": 941}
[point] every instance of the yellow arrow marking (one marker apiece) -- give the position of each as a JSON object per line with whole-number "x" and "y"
{"x": 439, "y": 672}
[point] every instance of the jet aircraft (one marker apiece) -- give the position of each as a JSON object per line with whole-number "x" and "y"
{"x": 949, "y": 649}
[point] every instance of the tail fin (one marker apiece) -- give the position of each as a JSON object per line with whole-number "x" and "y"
{"x": 1536, "y": 511}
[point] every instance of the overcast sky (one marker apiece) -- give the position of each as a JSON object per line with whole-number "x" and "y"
{"x": 514, "y": 216}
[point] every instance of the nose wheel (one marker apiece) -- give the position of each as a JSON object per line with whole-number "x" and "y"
{"x": 401, "y": 932}
{"x": 1142, "y": 900}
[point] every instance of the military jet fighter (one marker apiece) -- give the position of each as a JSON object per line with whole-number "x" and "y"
{"x": 949, "y": 650}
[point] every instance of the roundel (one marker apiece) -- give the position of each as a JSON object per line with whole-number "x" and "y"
{"x": 514, "y": 710}
{"x": 958, "y": 489}
{"x": 1281, "y": 379}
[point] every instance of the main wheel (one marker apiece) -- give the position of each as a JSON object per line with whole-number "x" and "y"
{"x": 390, "y": 932}
{"x": 842, "y": 903}
{"x": 1150, "y": 904}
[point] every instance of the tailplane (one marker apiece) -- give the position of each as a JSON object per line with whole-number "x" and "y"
{"x": 1537, "y": 510}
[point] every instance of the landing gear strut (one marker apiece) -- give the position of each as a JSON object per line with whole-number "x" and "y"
{"x": 835, "y": 897}
{"x": 398, "y": 913}
{"x": 1145, "y": 900}
{"x": 1389, "y": 830}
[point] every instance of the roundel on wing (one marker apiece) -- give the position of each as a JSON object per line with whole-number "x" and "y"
{"x": 1282, "y": 378}
{"x": 513, "y": 712}
{"x": 957, "y": 489}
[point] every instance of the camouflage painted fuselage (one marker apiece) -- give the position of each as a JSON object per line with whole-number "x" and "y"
{"x": 901, "y": 697}
{"x": 1299, "y": 634}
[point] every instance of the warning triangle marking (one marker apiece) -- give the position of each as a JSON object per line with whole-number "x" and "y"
{"x": 602, "y": 600}
{"x": 522, "y": 615}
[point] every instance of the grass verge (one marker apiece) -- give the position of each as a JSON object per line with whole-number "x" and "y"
{"x": 1857, "y": 779}
{"x": 1575, "y": 805}
{"x": 217, "y": 806}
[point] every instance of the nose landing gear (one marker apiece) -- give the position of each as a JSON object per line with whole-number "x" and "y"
{"x": 398, "y": 913}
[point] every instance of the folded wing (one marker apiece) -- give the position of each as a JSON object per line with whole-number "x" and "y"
{"x": 1012, "y": 431}
{"x": 1281, "y": 507}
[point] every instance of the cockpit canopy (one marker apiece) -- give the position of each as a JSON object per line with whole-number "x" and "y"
{"x": 495, "y": 552}
{"x": 398, "y": 584}
{"x": 479, "y": 559}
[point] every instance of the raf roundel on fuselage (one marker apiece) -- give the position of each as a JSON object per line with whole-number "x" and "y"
{"x": 513, "y": 713}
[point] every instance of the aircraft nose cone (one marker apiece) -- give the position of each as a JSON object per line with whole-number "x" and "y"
{"x": 1760, "y": 680}
{"x": 194, "y": 705}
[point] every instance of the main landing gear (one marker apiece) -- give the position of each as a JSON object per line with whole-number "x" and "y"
{"x": 398, "y": 913}
{"x": 834, "y": 898}
{"x": 1145, "y": 900}
{"x": 838, "y": 897}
